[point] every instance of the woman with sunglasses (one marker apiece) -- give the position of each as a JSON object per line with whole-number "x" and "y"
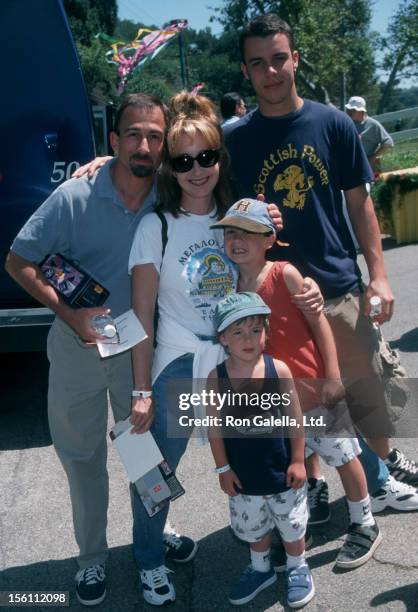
{"x": 189, "y": 277}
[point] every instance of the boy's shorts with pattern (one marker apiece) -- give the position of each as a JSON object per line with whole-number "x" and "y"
{"x": 334, "y": 451}
{"x": 254, "y": 516}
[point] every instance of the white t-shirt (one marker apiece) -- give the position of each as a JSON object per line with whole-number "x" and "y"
{"x": 195, "y": 273}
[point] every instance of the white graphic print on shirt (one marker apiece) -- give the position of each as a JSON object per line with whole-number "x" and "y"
{"x": 210, "y": 275}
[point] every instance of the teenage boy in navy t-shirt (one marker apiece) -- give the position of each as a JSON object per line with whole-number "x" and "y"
{"x": 303, "y": 154}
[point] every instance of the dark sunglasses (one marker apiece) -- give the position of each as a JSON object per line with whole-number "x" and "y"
{"x": 205, "y": 159}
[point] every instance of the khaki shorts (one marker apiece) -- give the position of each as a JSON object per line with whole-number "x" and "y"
{"x": 376, "y": 389}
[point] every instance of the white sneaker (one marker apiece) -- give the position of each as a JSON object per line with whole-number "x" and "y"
{"x": 395, "y": 494}
{"x": 157, "y": 588}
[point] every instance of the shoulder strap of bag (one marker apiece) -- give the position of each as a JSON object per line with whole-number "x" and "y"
{"x": 164, "y": 239}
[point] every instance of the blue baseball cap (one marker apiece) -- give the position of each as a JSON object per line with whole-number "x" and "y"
{"x": 237, "y": 306}
{"x": 249, "y": 215}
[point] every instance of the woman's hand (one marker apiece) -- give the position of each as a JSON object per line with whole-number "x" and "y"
{"x": 142, "y": 414}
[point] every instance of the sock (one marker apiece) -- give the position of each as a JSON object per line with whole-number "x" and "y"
{"x": 260, "y": 561}
{"x": 297, "y": 561}
{"x": 360, "y": 512}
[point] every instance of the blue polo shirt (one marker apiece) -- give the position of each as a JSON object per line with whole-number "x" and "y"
{"x": 86, "y": 221}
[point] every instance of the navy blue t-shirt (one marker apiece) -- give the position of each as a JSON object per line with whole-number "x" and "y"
{"x": 260, "y": 460}
{"x": 302, "y": 162}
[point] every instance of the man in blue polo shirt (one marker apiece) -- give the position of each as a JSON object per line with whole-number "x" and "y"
{"x": 93, "y": 222}
{"x": 303, "y": 155}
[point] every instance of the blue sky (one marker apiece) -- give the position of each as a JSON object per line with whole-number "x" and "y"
{"x": 197, "y": 12}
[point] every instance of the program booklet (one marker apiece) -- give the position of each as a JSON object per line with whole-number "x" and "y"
{"x": 146, "y": 467}
{"x": 129, "y": 333}
{"x": 76, "y": 287}
{"x": 158, "y": 487}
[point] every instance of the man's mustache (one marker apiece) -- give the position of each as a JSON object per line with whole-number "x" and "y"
{"x": 141, "y": 157}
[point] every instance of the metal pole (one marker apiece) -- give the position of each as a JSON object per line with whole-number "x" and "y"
{"x": 343, "y": 95}
{"x": 183, "y": 62}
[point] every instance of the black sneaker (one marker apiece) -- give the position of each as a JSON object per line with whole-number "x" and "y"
{"x": 91, "y": 585}
{"x": 319, "y": 512}
{"x": 401, "y": 468}
{"x": 278, "y": 553}
{"x": 360, "y": 544}
{"x": 179, "y": 548}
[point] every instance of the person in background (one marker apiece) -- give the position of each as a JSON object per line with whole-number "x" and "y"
{"x": 232, "y": 108}
{"x": 375, "y": 139}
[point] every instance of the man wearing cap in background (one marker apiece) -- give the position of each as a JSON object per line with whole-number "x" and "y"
{"x": 376, "y": 141}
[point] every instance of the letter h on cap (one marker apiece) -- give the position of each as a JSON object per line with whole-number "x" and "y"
{"x": 242, "y": 206}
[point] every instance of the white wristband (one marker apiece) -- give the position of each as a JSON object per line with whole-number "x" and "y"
{"x": 221, "y": 470}
{"x": 142, "y": 394}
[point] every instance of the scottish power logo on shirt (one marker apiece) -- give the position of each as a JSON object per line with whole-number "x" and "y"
{"x": 210, "y": 275}
{"x": 292, "y": 172}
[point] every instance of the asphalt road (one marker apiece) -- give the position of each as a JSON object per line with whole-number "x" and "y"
{"x": 37, "y": 548}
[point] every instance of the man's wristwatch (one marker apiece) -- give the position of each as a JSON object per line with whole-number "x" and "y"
{"x": 142, "y": 394}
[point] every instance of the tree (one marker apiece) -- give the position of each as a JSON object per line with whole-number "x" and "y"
{"x": 99, "y": 76}
{"x": 401, "y": 45}
{"x": 89, "y": 17}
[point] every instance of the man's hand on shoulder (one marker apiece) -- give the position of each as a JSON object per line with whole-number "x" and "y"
{"x": 91, "y": 167}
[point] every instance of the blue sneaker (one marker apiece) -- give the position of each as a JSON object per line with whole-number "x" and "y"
{"x": 251, "y": 584}
{"x": 300, "y": 587}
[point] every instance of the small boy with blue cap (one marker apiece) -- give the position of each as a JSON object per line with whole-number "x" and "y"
{"x": 264, "y": 475}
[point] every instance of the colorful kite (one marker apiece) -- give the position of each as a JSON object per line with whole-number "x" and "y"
{"x": 145, "y": 46}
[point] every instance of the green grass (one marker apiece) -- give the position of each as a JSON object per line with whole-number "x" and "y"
{"x": 404, "y": 155}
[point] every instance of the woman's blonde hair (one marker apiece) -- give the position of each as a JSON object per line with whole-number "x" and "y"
{"x": 192, "y": 116}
